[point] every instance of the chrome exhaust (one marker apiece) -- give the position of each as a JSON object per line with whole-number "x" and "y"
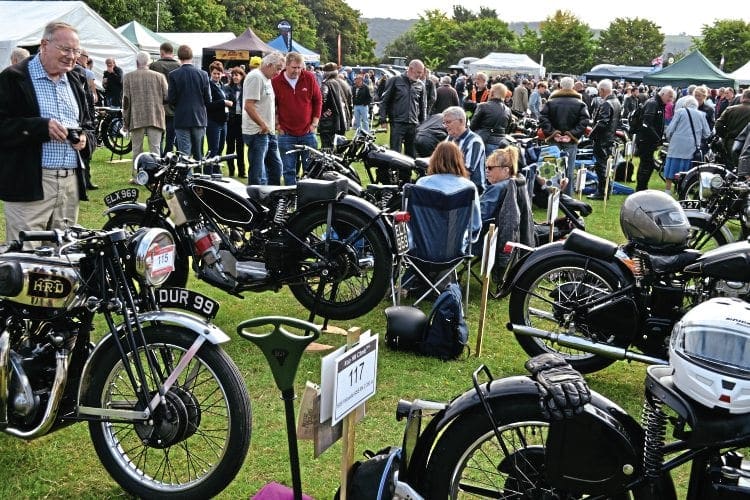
{"x": 598, "y": 348}
{"x": 4, "y": 376}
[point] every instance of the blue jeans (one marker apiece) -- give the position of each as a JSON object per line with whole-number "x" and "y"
{"x": 263, "y": 158}
{"x": 291, "y": 161}
{"x": 190, "y": 141}
{"x": 361, "y": 117}
{"x": 571, "y": 150}
{"x": 216, "y": 135}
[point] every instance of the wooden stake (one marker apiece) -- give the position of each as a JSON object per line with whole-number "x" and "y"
{"x": 350, "y": 421}
{"x": 486, "y": 269}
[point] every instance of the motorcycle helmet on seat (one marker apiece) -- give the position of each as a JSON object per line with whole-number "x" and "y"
{"x": 709, "y": 351}
{"x": 655, "y": 219}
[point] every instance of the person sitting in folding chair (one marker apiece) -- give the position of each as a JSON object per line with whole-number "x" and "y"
{"x": 445, "y": 220}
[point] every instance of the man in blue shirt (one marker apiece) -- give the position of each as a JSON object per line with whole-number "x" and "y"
{"x": 470, "y": 144}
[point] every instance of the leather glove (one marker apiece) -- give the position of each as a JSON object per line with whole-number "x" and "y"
{"x": 562, "y": 390}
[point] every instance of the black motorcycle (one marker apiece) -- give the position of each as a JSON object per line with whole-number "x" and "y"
{"x": 494, "y": 441}
{"x": 109, "y": 124}
{"x": 592, "y": 300}
{"x": 167, "y": 409}
{"x": 334, "y": 251}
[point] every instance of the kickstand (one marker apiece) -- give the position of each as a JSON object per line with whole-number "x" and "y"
{"x": 318, "y": 295}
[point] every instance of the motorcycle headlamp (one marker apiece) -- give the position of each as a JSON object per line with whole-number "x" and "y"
{"x": 144, "y": 168}
{"x": 716, "y": 181}
{"x": 153, "y": 251}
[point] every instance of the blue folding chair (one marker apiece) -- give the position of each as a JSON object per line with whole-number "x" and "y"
{"x": 440, "y": 239}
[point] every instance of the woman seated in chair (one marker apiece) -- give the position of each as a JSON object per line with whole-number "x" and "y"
{"x": 447, "y": 173}
{"x": 506, "y": 201}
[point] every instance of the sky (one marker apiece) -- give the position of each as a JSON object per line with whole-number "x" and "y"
{"x": 673, "y": 18}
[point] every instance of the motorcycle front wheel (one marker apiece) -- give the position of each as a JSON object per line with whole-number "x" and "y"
{"x": 113, "y": 138}
{"x": 468, "y": 462}
{"x": 353, "y": 265}
{"x": 195, "y": 443}
{"x": 133, "y": 220}
{"x": 544, "y": 298}
{"x": 704, "y": 236}
{"x": 689, "y": 185}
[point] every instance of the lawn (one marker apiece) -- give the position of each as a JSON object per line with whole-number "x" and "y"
{"x": 64, "y": 465}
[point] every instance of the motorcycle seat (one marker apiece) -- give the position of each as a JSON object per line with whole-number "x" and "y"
{"x": 661, "y": 263}
{"x": 587, "y": 244}
{"x": 262, "y": 193}
{"x": 422, "y": 163}
{"x": 382, "y": 187}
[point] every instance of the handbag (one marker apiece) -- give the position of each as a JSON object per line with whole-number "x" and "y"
{"x": 698, "y": 154}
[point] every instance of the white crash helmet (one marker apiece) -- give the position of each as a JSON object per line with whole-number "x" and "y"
{"x": 710, "y": 353}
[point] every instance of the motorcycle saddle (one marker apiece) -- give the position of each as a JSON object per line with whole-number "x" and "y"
{"x": 673, "y": 262}
{"x": 263, "y": 193}
{"x": 587, "y": 244}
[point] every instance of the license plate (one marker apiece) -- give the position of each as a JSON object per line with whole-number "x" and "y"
{"x": 691, "y": 204}
{"x": 187, "y": 300}
{"x": 402, "y": 238}
{"x": 125, "y": 195}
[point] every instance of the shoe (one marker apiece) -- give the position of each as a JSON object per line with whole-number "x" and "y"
{"x": 91, "y": 187}
{"x": 596, "y": 196}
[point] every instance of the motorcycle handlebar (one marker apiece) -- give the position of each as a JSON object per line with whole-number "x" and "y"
{"x": 52, "y": 236}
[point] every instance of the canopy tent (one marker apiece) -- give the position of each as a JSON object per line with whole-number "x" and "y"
{"x": 742, "y": 74}
{"x": 617, "y": 72}
{"x": 144, "y": 38}
{"x": 240, "y": 49}
{"x": 23, "y": 25}
{"x": 500, "y": 62}
{"x": 197, "y": 41}
{"x": 694, "y": 68}
{"x": 310, "y": 57}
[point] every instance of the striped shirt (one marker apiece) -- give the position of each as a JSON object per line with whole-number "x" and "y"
{"x": 56, "y": 100}
{"x": 472, "y": 148}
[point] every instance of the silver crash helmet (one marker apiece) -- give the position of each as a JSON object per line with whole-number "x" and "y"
{"x": 709, "y": 351}
{"x": 655, "y": 219}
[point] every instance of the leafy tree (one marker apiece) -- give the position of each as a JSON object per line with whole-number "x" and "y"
{"x": 406, "y": 46}
{"x": 119, "y": 12}
{"x": 461, "y": 14}
{"x": 336, "y": 18}
{"x": 530, "y": 43}
{"x": 198, "y": 15}
{"x": 729, "y": 38}
{"x": 567, "y": 43}
{"x": 435, "y": 34}
{"x": 482, "y": 36}
{"x": 633, "y": 42}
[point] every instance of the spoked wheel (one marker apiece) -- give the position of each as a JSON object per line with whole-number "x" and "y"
{"x": 195, "y": 443}
{"x": 545, "y": 298}
{"x": 469, "y": 462}
{"x": 689, "y": 186}
{"x": 704, "y": 236}
{"x": 113, "y": 138}
{"x": 354, "y": 265}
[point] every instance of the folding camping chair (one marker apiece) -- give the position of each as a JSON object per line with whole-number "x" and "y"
{"x": 439, "y": 228}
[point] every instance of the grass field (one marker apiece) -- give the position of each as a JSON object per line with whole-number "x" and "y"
{"x": 64, "y": 465}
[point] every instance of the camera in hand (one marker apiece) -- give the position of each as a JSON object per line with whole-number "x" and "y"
{"x": 74, "y": 135}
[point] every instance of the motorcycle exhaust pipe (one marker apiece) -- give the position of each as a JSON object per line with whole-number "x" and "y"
{"x": 598, "y": 348}
{"x": 4, "y": 376}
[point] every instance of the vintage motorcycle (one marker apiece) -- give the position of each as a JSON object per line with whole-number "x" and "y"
{"x": 335, "y": 252}
{"x": 109, "y": 125}
{"x": 158, "y": 392}
{"x": 595, "y": 299}
{"x": 500, "y": 439}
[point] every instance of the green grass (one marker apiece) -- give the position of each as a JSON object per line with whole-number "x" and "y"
{"x": 64, "y": 465}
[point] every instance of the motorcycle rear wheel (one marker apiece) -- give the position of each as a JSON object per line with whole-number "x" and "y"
{"x": 467, "y": 461}
{"x": 132, "y": 220}
{"x": 543, "y": 294}
{"x": 358, "y": 273}
{"x": 113, "y": 139}
{"x": 195, "y": 451}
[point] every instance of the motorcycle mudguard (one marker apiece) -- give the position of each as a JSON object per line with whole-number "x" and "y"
{"x": 199, "y": 326}
{"x": 693, "y": 214}
{"x": 511, "y": 389}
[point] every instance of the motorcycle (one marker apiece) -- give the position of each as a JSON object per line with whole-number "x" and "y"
{"x": 334, "y": 251}
{"x": 495, "y": 441}
{"x": 109, "y": 123}
{"x": 565, "y": 296}
{"x": 158, "y": 392}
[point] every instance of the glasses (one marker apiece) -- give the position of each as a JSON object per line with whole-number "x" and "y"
{"x": 446, "y": 122}
{"x": 67, "y": 50}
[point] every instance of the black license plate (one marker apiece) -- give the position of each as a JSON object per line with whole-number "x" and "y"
{"x": 125, "y": 195}
{"x": 691, "y": 204}
{"x": 402, "y": 238}
{"x": 187, "y": 300}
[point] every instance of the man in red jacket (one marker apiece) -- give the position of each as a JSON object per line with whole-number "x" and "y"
{"x": 298, "y": 105}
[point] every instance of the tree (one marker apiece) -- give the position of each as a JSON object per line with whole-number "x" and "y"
{"x": 727, "y": 38}
{"x": 336, "y": 18}
{"x": 406, "y": 46}
{"x": 530, "y": 43}
{"x": 567, "y": 43}
{"x": 632, "y": 42}
{"x": 119, "y": 12}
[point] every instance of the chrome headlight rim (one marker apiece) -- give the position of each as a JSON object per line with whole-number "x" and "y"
{"x": 154, "y": 253}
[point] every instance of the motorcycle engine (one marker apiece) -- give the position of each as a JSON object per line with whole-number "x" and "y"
{"x": 738, "y": 289}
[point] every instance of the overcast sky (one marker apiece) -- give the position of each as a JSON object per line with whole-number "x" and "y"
{"x": 674, "y": 18}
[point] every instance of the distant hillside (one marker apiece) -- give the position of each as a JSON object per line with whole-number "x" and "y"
{"x": 384, "y": 30}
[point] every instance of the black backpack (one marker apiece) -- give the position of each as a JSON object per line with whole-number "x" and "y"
{"x": 635, "y": 120}
{"x": 446, "y": 333}
{"x": 374, "y": 478}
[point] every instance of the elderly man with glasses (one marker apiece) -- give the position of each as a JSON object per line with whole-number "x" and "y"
{"x": 470, "y": 144}
{"x": 42, "y": 109}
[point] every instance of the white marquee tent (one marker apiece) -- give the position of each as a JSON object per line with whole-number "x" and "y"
{"x": 742, "y": 74}
{"x": 22, "y": 24}
{"x": 501, "y": 62}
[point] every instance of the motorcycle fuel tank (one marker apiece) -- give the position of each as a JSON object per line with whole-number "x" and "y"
{"x": 729, "y": 262}
{"x": 225, "y": 199}
{"x": 389, "y": 158}
{"x": 38, "y": 281}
